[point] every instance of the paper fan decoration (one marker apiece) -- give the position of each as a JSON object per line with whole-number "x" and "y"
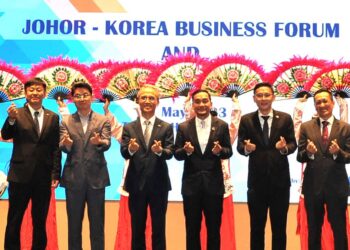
{"x": 335, "y": 78}
{"x": 100, "y": 68}
{"x": 60, "y": 74}
{"x": 11, "y": 83}
{"x": 124, "y": 80}
{"x": 177, "y": 74}
{"x": 230, "y": 74}
{"x": 289, "y": 77}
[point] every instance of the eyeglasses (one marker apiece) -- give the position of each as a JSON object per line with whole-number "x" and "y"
{"x": 83, "y": 96}
{"x": 261, "y": 95}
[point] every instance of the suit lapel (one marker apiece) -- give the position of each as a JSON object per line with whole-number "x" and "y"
{"x": 78, "y": 125}
{"x": 29, "y": 117}
{"x": 334, "y": 130}
{"x": 156, "y": 127}
{"x": 46, "y": 123}
{"x": 90, "y": 126}
{"x": 139, "y": 133}
{"x": 273, "y": 130}
{"x": 213, "y": 129}
{"x": 317, "y": 136}
{"x": 193, "y": 134}
{"x": 257, "y": 125}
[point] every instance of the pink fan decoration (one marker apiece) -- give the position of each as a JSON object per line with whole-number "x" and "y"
{"x": 123, "y": 80}
{"x": 177, "y": 74}
{"x": 289, "y": 77}
{"x": 100, "y": 68}
{"x": 60, "y": 74}
{"x": 335, "y": 78}
{"x": 11, "y": 82}
{"x": 230, "y": 74}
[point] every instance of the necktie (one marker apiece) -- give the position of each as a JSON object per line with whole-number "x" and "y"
{"x": 265, "y": 130}
{"x": 147, "y": 133}
{"x": 36, "y": 122}
{"x": 325, "y": 132}
{"x": 202, "y": 124}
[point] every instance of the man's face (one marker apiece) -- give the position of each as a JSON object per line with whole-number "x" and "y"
{"x": 148, "y": 101}
{"x": 324, "y": 105}
{"x": 263, "y": 98}
{"x": 35, "y": 95}
{"x": 82, "y": 99}
{"x": 201, "y": 104}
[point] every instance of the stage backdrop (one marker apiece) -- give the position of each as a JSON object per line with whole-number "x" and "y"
{"x": 89, "y": 31}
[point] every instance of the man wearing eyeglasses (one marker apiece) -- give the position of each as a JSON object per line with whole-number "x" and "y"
{"x": 84, "y": 137}
{"x": 266, "y": 136}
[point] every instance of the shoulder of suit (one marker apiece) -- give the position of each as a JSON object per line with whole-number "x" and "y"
{"x": 248, "y": 115}
{"x": 281, "y": 113}
{"x": 185, "y": 123}
{"x": 50, "y": 112}
{"x": 160, "y": 121}
{"x": 218, "y": 120}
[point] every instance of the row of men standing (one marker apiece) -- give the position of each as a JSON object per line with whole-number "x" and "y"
{"x": 202, "y": 142}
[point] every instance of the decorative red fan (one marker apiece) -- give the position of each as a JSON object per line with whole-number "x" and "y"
{"x": 289, "y": 77}
{"x": 100, "y": 68}
{"x": 230, "y": 74}
{"x": 177, "y": 74}
{"x": 60, "y": 74}
{"x": 11, "y": 82}
{"x": 335, "y": 78}
{"x": 124, "y": 80}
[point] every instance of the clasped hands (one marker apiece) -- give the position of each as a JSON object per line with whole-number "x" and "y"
{"x": 156, "y": 147}
{"x": 312, "y": 149}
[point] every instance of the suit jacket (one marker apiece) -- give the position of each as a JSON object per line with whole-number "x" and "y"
{"x": 203, "y": 171}
{"x": 266, "y": 163}
{"x": 85, "y": 163}
{"x": 144, "y": 165}
{"x": 32, "y": 151}
{"x": 324, "y": 171}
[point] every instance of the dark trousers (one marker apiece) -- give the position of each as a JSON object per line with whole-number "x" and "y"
{"x": 336, "y": 209}
{"x": 194, "y": 207}
{"x": 76, "y": 200}
{"x": 19, "y": 196}
{"x": 138, "y": 205}
{"x": 275, "y": 201}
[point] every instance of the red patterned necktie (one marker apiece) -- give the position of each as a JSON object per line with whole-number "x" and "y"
{"x": 325, "y": 132}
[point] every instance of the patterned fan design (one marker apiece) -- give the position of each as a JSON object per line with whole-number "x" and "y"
{"x": 11, "y": 83}
{"x": 124, "y": 80}
{"x": 177, "y": 74}
{"x": 289, "y": 77}
{"x": 100, "y": 68}
{"x": 335, "y": 78}
{"x": 60, "y": 74}
{"x": 228, "y": 75}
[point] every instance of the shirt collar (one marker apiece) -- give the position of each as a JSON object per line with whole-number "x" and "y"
{"x": 330, "y": 120}
{"x": 206, "y": 120}
{"x": 41, "y": 110}
{"x": 143, "y": 119}
{"x": 270, "y": 114}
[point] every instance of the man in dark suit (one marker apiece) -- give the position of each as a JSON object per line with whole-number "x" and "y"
{"x": 324, "y": 145}
{"x": 147, "y": 142}
{"x": 266, "y": 136}
{"x": 202, "y": 142}
{"x": 85, "y": 136}
{"x": 35, "y": 164}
